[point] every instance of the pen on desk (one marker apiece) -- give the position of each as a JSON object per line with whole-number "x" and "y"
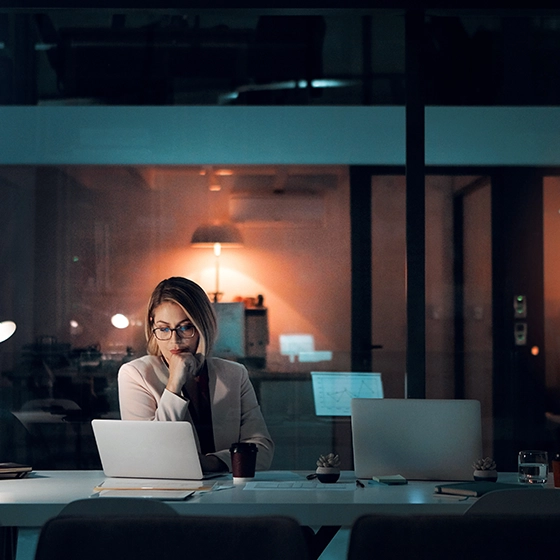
{"x": 359, "y": 484}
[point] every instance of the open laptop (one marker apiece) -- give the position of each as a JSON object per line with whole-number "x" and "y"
{"x": 420, "y": 439}
{"x": 143, "y": 449}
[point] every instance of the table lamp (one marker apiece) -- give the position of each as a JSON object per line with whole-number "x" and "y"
{"x": 7, "y": 329}
{"x": 215, "y": 236}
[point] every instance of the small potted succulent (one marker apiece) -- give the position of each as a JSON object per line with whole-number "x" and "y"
{"x": 328, "y": 468}
{"x": 485, "y": 469}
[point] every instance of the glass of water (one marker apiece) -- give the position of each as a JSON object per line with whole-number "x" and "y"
{"x": 533, "y": 467}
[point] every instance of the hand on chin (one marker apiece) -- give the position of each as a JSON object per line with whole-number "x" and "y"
{"x": 185, "y": 360}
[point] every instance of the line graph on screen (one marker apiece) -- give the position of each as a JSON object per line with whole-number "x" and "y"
{"x": 333, "y": 391}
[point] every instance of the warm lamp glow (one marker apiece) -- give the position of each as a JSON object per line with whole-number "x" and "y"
{"x": 214, "y": 236}
{"x": 120, "y": 321}
{"x": 75, "y": 327}
{"x": 7, "y": 329}
{"x": 213, "y": 182}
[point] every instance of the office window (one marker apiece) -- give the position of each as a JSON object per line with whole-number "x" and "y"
{"x": 83, "y": 244}
{"x": 551, "y": 215}
{"x": 458, "y": 322}
{"x": 203, "y": 57}
{"x": 273, "y": 57}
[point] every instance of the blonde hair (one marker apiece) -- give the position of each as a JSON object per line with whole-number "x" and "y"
{"x": 193, "y": 301}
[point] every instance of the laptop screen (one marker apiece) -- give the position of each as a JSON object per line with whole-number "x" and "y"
{"x": 333, "y": 390}
{"x": 420, "y": 439}
{"x": 144, "y": 449}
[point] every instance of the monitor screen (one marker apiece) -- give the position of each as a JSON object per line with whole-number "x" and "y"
{"x": 230, "y": 342}
{"x": 333, "y": 390}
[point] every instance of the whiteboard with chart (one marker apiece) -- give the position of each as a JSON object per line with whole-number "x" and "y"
{"x": 333, "y": 390}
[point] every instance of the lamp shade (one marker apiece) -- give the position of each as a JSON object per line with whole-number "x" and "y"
{"x": 7, "y": 329}
{"x": 206, "y": 235}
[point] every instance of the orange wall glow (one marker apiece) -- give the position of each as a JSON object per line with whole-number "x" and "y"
{"x": 551, "y": 203}
{"x": 126, "y": 232}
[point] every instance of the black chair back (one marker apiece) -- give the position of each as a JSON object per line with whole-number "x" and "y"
{"x": 522, "y": 501}
{"x": 115, "y": 537}
{"x": 117, "y": 506}
{"x": 457, "y": 537}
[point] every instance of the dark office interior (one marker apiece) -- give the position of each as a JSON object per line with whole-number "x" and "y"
{"x": 275, "y": 57}
{"x": 427, "y": 259}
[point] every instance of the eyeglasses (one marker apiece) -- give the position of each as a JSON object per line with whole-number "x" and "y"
{"x": 183, "y": 331}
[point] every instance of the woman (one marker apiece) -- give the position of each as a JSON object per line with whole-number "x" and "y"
{"x": 178, "y": 380}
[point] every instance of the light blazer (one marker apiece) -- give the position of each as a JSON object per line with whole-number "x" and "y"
{"x": 236, "y": 414}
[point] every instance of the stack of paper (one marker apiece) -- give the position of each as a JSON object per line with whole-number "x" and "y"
{"x": 150, "y": 488}
{"x": 13, "y": 470}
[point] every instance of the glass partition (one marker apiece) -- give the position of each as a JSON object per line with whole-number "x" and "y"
{"x": 458, "y": 307}
{"x": 83, "y": 247}
{"x": 551, "y": 215}
{"x": 273, "y": 57}
{"x": 389, "y": 282}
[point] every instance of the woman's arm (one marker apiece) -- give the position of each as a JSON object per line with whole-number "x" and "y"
{"x": 236, "y": 414}
{"x": 253, "y": 426}
{"x": 142, "y": 396}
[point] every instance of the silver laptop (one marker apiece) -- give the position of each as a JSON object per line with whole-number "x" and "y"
{"x": 142, "y": 449}
{"x": 420, "y": 439}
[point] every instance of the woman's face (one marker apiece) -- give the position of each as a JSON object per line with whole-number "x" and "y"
{"x": 169, "y": 315}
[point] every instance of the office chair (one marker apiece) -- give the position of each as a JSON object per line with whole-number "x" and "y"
{"x": 117, "y": 506}
{"x": 522, "y": 501}
{"x": 54, "y": 406}
{"x": 8, "y": 542}
{"x": 460, "y": 537}
{"x": 170, "y": 537}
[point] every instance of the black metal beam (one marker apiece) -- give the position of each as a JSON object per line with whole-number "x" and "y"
{"x": 415, "y": 208}
{"x": 459, "y": 297}
{"x": 367, "y": 61}
{"x": 360, "y": 240}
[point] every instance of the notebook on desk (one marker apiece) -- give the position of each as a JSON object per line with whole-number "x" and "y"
{"x": 420, "y": 439}
{"x": 137, "y": 449}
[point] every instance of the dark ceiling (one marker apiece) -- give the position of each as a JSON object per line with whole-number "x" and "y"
{"x": 180, "y": 56}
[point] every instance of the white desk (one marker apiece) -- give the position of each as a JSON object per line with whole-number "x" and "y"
{"x": 30, "y": 501}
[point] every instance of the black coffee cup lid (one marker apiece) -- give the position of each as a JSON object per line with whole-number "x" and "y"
{"x": 243, "y": 446}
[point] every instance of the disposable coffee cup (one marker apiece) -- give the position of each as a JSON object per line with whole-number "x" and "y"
{"x": 556, "y": 470}
{"x": 243, "y": 461}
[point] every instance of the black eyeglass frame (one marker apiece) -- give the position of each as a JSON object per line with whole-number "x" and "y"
{"x": 177, "y": 330}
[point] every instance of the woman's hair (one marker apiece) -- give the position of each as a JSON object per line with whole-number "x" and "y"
{"x": 194, "y": 302}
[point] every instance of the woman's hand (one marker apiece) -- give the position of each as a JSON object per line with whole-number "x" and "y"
{"x": 183, "y": 367}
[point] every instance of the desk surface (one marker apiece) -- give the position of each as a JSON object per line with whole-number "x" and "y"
{"x": 30, "y": 501}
